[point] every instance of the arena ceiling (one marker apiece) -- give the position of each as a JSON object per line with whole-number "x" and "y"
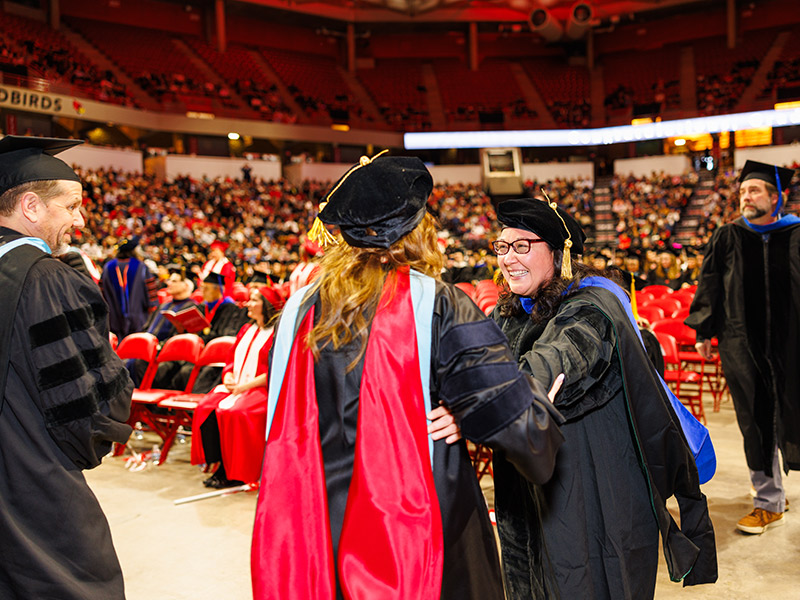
{"x": 375, "y": 11}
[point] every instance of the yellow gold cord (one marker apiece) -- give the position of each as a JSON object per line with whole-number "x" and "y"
{"x": 566, "y": 261}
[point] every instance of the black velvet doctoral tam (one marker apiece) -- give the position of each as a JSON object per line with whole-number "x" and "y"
{"x": 536, "y": 215}
{"x": 377, "y": 202}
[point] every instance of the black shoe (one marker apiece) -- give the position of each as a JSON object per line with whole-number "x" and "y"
{"x": 221, "y": 484}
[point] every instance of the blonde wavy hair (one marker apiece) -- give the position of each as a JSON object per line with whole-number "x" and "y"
{"x": 351, "y": 280}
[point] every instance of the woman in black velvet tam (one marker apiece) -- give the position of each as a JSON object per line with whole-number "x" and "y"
{"x": 592, "y": 530}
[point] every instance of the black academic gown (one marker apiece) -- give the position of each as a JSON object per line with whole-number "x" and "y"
{"x": 471, "y": 369}
{"x": 66, "y": 399}
{"x": 749, "y": 298}
{"x": 592, "y": 531}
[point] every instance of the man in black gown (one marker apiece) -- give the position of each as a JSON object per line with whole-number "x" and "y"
{"x": 64, "y": 394}
{"x": 748, "y": 297}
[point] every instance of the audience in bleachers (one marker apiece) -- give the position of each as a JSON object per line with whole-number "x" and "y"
{"x": 164, "y": 65}
{"x": 28, "y": 54}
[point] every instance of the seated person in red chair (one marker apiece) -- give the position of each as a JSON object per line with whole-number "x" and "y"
{"x": 230, "y": 422}
{"x": 180, "y": 288}
{"x": 226, "y": 318}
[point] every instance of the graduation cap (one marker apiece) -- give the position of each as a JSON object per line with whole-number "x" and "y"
{"x": 547, "y": 220}
{"x": 258, "y": 277}
{"x": 272, "y": 296}
{"x": 377, "y": 201}
{"x": 214, "y": 278}
{"x": 128, "y": 244}
{"x": 24, "y": 159}
{"x": 780, "y": 177}
{"x": 175, "y": 269}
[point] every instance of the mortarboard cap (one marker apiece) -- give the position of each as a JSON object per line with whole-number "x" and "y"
{"x": 272, "y": 296}
{"x": 176, "y": 269}
{"x": 128, "y": 244}
{"x": 780, "y": 177}
{"x": 214, "y": 278}
{"x": 258, "y": 277}
{"x": 24, "y": 159}
{"x": 379, "y": 200}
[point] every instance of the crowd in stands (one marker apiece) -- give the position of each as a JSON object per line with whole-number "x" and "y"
{"x": 342, "y": 108}
{"x": 784, "y": 74}
{"x": 263, "y": 223}
{"x": 167, "y": 87}
{"x": 264, "y": 100}
{"x": 647, "y": 209}
{"x": 716, "y": 91}
{"x": 719, "y": 93}
{"x": 30, "y": 58}
{"x": 571, "y": 114}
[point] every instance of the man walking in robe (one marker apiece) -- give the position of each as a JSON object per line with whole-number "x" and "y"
{"x": 748, "y": 297}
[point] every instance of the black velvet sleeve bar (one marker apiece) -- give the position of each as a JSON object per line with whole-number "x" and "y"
{"x": 479, "y": 382}
{"x": 578, "y": 342}
{"x": 81, "y": 386}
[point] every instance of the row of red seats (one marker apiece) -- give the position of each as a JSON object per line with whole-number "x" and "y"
{"x": 484, "y": 293}
{"x": 686, "y": 371}
{"x": 177, "y": 406}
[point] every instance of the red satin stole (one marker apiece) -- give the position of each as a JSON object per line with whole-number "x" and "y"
{"x": 391, "y": 545}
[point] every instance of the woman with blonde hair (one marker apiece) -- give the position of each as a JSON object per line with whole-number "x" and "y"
{"x": 360, "y": 497}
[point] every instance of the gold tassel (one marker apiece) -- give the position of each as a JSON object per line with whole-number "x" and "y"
{"x": 319, "y": 234}
{"x": 634, "y": 308}
{"x": 566, "y": 262}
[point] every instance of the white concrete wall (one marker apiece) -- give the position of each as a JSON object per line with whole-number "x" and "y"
{"x": 783, "y": 156}
{"x": 296, "y": 173}
{"x": 96, "y": 157}
{"x": 560, "y": 170}
{"x": 213, "y": 167}
{"x": 643, "y": 167}
{"x": 444, "y": 174}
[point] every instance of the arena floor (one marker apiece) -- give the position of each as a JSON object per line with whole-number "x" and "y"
{"x": 200, "y": 550}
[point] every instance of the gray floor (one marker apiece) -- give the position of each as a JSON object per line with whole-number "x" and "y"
{"x": 200, "y": 550}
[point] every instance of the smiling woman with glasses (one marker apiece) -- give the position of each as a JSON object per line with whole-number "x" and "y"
{"x": 561, "y": 316}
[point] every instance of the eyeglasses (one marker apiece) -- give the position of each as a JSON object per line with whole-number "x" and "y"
{"x": 520, "y": 246}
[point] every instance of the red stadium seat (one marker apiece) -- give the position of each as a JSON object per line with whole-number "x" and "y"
{"x": 180, "y": 407}
{"x": 685, "y": 295}
{"x": 668, "y": 304}
{"x": 651, "y": 313}
{"x": 140, "y": 346}
{"x": 685, "y": 337}
{"x": 675, "y": 375}
{"x": 467, "y": 288}
{"x": 657, "y": 291}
